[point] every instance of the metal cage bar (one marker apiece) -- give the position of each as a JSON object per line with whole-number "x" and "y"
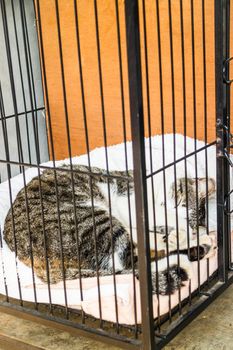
{"x": 154, "y": 333}
{"x": 137, "y": 125}
{"x": 222, "y": 101}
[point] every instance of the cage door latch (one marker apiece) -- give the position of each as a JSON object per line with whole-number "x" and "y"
{"x": 226, "y": 154}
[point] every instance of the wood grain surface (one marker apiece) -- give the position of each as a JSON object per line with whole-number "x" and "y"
{"x": 194, "y": 95}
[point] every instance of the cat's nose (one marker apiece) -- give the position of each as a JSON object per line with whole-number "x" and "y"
{"x": 194, "y": 235}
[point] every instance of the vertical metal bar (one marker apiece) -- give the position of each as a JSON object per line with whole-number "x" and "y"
{"x": 19, "y": 142}
{"x": 31, "y": 80}
{"x": 106, "y": 150}
{"x": 126, "y": 156}
{"x": 7, "y": 156}
{"x": 62, "y": 68}
{"x": 184, "y": 118}
{"x": 21, "y": 79}
{"x": 40, "y": 35}
{"x": 3, "y": 266}
{"x": 12, "y": 80}
{"x": 174, "y": 136}
{"x": 195, "y": 135}
{"x": 137, "y": 125}
{"x": 30, "y": 88}
{"x": 151, "y": 153}
{"x": 222, "y": 95}
{"x": 162, "y": 123}
{"x": 6, "y": 147}
{"x": 33, "y": 104}
{"x": 228, "y": 105}
{"x": 89, "y": 162}
{"x": 50, "y": 134}
{"x": 205, "y": 122}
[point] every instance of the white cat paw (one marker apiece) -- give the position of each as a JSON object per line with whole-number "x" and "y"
{"x": 175, "y": 240}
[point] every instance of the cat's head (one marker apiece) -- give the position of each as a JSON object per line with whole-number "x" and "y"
{"x": 185, "y": 190}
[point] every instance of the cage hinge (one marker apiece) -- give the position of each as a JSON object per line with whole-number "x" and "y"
{"x": 225, "y": 71}
{"x": 226, "y": 155}
{"x": 228, "y": 139}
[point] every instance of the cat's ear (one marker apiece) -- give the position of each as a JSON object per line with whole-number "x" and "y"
{"x": 171, "y": 194}
{"x": 179, "y": 190}
{"x": 206, "y": 186}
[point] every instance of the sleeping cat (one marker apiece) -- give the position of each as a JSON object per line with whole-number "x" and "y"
{"x": 82, "y": 238}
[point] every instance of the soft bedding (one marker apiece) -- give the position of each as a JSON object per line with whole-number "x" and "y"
{"x": 11, "y": 268}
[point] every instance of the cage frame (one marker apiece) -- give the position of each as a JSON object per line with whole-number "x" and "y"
{"x": 150, "y": 340}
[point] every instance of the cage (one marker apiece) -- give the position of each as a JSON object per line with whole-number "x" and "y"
{"x": 115, "y": 194}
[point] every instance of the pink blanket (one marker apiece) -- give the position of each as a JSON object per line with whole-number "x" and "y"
{"x": 124, "y": 294}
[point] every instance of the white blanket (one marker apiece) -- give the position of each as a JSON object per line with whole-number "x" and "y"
{"x": 10, "y": 268}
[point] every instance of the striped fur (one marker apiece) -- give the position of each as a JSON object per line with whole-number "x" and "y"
{"x": 78, "y": 235}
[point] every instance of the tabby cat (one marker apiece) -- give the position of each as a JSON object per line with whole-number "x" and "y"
{"x": 60, "y": 225}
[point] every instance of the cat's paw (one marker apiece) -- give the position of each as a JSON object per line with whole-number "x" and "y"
{"x": 162, "y": 235}
{"x": 203, "y": 247}
{"x": 211, "y": 242}
{"x": 176, "y": 240}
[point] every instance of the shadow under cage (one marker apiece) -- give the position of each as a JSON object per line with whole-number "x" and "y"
{"x": 115, "y": 160}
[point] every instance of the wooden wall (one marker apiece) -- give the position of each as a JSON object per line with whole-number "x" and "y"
{"x": 110, "y": 71}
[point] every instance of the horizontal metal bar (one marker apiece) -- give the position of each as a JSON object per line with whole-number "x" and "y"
{"x": 70, "y": 327}
{"x": 40, "y": 166}
{"x": 23, "y": 113}
{"x": 181, "y": 159}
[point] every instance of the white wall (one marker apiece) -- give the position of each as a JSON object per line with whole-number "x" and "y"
{"x": 28, "y": 143}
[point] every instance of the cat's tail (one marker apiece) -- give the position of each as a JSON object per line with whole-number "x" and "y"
{"x": 169, "y": 274}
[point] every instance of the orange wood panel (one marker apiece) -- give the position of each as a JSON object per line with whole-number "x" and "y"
{"x": 110, "y": 71}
